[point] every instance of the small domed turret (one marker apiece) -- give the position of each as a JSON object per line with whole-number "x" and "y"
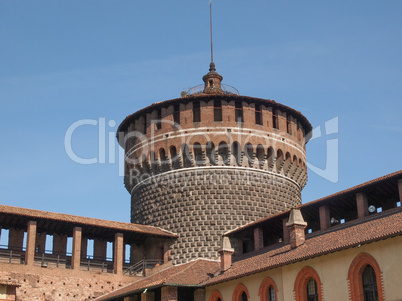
{"x": 212, "y": 81}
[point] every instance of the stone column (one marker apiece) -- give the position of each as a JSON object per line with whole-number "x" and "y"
{"x": 31, "y": 246}
{"x": 258, "y": 239}
{"x": 325, "y": 219}
{"x": 362, "y": 205}
{"x": 118, "y": 246}
{"x": 148, "y": 296}
{"x": 59, "y": 244}
{"x": 199, "y": 294}
{"x": 15, "y": 239}
{"x": 76, "y": 257}
{"x": 169, "y": 293}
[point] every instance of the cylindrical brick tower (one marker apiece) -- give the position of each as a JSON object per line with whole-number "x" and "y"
{"x": 212, "y": 161}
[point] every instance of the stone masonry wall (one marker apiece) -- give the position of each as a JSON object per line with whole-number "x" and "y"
{"x": 60, "y": 284}
{"x": 202, "y": 204}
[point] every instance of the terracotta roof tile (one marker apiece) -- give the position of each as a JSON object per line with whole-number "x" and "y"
{"x": 377, "y": 227}
{"x": 189, "y": 274}
{"x": 37, "y": 214}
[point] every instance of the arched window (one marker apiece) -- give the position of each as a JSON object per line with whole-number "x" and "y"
{"x": 312, "y": 292}
{"x": 215, "y": 296}
{"x": 365, "y": 279}
{"x": 308, "y": 285}
{"x": 369, "y": 284}
{"x": 240, "y": 293}
{"x": 267, "y": 291}
{"x": 243, "y": 297}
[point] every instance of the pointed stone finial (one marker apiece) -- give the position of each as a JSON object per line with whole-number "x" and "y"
{"x": 212, "y": 67}
{"x": 296, "y": 226}
{"x": 226, "y": 253}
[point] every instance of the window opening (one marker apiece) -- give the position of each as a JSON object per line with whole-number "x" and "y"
{"x": 312, "y": 293}
{"x": 289, "y": 124}
{"x": 243, "y": 297}
{"x": 144, "y": 125}
{"x": 258, "y": 114}
{"x": 369, "y": 284}
{"x": 275, "y": 124}
{"x": 176, "y": 113}
{"x": 196, "y": 111}
{"x": 239, "y": 111}
{"x": 217, "y": 110}
{"x": 159, "y": 119}
{"x": 271, "y": 293}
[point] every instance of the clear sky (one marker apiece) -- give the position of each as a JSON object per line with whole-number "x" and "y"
{"x": 65, "y": 61}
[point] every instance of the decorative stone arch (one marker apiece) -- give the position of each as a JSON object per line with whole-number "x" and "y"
{"x": 215, "y": 296}
{"x": 279, "y": 160}
{"x": 355, "y": 277}
{"x": 260, "y": 153}
{"x": 186, "y": 155}
{"x": 223, "y": 151}
{"x": 211, "y": 152}
{"x": 301, "y": 282}
{"x": 239, "y": 290}
{"x": 264, "y": 288}
{"x": 249, "y": 151}
{"x": 198, "y": 154}
{"x": 236, "y": 152}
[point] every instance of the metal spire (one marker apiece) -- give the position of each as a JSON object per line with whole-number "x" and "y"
{"x": 212, "y": 65}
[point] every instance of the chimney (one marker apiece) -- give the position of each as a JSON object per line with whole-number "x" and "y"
{"x": 296, "y": 226}
{"x": 226, "y": 254}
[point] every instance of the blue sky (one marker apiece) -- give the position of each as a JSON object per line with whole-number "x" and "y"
{"x": 64, "y": 61}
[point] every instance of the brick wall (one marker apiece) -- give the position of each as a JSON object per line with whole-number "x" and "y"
{"x": 59, "y": 284}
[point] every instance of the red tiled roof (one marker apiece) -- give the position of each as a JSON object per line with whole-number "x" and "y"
{"x": 45, "y": 215}
{"x": 377, "y": 227}
{"x": 189, "y": 274}
{"x": 354, "y": 189}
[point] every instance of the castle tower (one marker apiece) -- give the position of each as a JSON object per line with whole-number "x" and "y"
{"x": 212, "y": 161}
